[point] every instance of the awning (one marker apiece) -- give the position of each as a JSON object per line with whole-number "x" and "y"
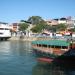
{"x": 52, "y": 42}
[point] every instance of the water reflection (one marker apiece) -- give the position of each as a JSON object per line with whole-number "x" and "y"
{"x": 16, "y": 58}
{"x": 15, "y": 47}
{"x": 52, "y": 69}
{"x": 5, "y": 48}
{"x": 47, "y": 69}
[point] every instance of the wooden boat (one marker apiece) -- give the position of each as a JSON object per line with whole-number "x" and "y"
{"x": 51, "y": 49}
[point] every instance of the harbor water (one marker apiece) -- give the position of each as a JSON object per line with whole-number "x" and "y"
{"x": 17, "y": 58}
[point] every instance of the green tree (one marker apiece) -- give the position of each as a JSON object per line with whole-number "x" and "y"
{"x": 72, "y": 29}
{"x": 39, "y": 27}
{"x": 61, "y": 27}
{"x": 53, "y": 28}
{"x": 23, "y": 26}
{"x": 35, "y": 20}
{"x": 36, "y": 29}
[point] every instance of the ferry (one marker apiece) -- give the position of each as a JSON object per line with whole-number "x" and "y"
{"x": 4, "y": 31}
{"x": 49, "y": 50}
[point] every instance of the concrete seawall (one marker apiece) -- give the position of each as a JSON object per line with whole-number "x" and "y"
{"x": 29, "y": 38}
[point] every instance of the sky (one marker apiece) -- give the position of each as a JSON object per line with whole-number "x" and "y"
{"x": 16, "y": 10}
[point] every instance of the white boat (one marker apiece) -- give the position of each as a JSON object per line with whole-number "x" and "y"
{"x": 4, "y": 31}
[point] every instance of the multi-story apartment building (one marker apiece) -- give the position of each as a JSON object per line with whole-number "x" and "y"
{"x": 52, "y": 22}
{"x": 57, "y": 21}
{"x": 15, "y": 27}
{"x": 73, "y": 19}
{"x": 62, "y": 20}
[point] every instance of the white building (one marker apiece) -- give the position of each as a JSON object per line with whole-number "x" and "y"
{"x": 62, "y": 20}
{"x": 73, "y": 19}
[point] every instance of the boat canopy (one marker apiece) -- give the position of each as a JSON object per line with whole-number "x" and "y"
{"x": 52, "y": 42}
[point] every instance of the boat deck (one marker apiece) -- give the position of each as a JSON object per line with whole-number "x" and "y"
{"x": 56, "y": 51}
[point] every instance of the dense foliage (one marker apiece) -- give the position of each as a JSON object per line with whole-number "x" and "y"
{"x": 59, "y": 27}
{"x": 35, "y": 20}
{"x": 72, "y": 29}
{"x": 23, "y": 26}
{"x": 39, "y": 25}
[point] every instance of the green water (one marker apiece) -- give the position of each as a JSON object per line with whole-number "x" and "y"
{"x": 17, "y": 58}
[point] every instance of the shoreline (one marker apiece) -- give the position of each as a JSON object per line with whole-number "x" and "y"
{"x": 28, "y": 38}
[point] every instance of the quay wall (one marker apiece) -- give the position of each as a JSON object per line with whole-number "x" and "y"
{"x": 29, "y": 38}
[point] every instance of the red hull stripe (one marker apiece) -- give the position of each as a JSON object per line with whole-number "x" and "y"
{"x": 45, "y": 60}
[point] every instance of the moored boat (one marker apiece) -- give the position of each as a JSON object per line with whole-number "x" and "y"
{"x": 51, "y": 49}
{"x": 4, "y": 31}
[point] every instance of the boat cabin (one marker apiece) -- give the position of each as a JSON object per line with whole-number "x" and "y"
{"x": 57, "y": 47}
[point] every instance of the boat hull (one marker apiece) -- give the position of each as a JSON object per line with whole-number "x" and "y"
{"x": 66, "y": 58}
{"x": 4, "y": 38}
{"x": 40, "y": 54}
